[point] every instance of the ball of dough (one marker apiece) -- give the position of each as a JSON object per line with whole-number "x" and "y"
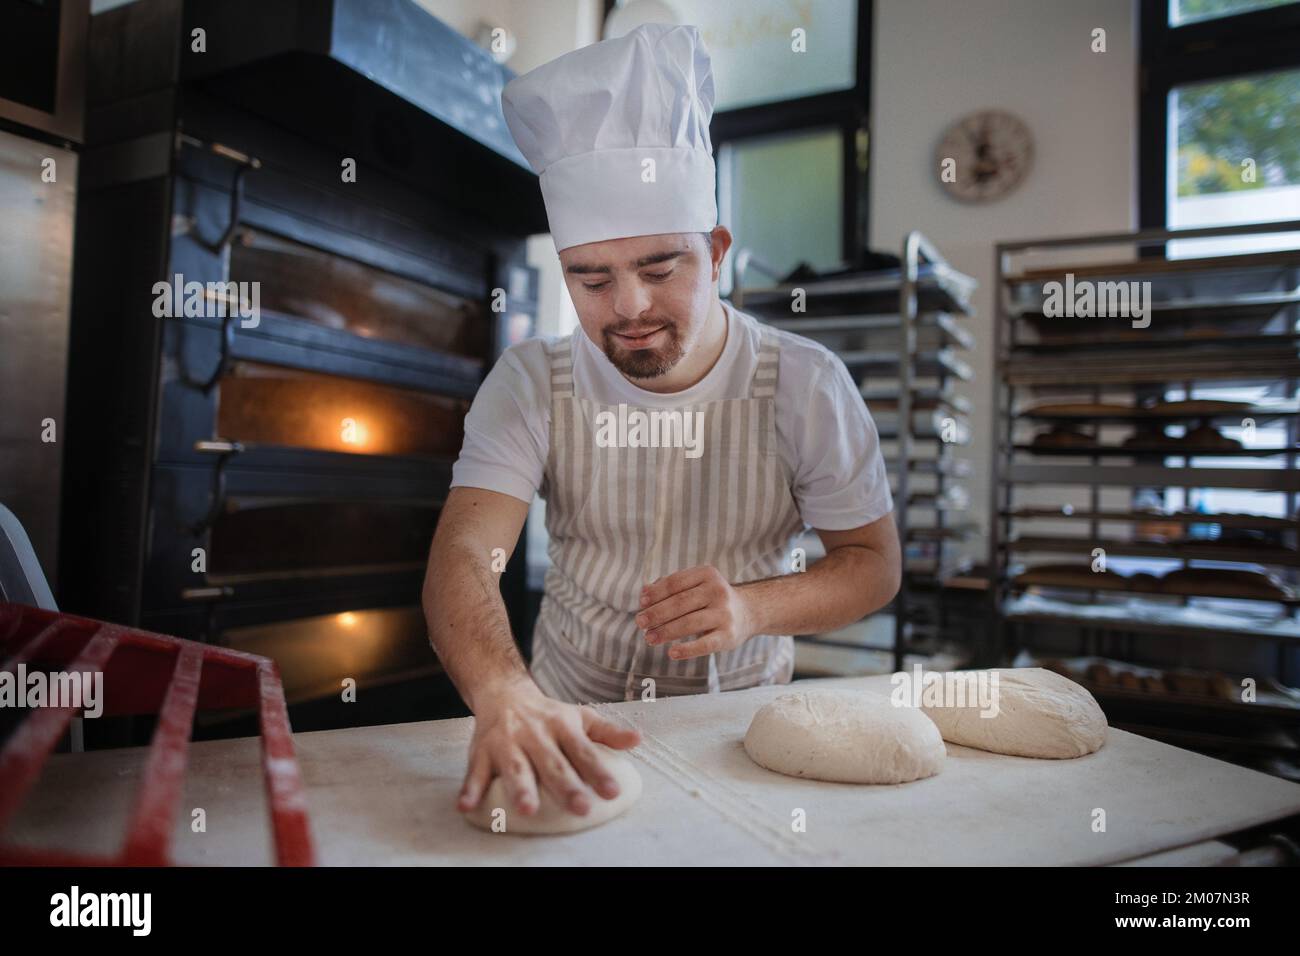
{"x": 551, "y": 816}
{"x": 1039, "y": 713}
{"x": 844, "y": 736}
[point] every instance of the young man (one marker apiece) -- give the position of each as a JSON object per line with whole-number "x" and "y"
{"x": 679, "y": 445}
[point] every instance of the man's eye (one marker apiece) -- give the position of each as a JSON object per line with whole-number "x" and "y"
{"x": 594, "y": 288}
{"x": 659, "y": 276}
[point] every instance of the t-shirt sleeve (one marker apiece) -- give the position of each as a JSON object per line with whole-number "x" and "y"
{"x": 840, "y": 479}
{"x": 506, "y": 429}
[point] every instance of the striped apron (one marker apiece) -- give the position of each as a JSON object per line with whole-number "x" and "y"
{"x": 620, "y": 518}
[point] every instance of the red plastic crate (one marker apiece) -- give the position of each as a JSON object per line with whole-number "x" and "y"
{"x": 146, "y": 673}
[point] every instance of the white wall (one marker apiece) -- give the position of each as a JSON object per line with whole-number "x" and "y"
{"x": 936, "y": 60}
{"x": 543, "y": 29}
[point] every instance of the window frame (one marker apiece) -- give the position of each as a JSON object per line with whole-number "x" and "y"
{"x": 1260, "y": 41}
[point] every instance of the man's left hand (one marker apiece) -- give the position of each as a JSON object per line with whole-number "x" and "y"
{"x": 697, "y": 603}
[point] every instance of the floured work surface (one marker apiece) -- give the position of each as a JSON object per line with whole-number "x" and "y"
{"x": 386, "y": 795}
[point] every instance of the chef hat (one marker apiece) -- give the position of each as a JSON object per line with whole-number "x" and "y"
{"x": 588, "y": 122}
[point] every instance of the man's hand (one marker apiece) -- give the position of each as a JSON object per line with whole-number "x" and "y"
{"x": 696, "y": 603}
{"x": 525, "y": 737}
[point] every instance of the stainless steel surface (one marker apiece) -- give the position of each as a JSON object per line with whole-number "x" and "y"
{"x": 36, "y": 224}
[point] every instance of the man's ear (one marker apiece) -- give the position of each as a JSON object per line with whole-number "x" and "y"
{"x": 721, "y": 237}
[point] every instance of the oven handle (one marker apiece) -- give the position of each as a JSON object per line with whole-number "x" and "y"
{"x": 207, "y": 594}
{"x": 243, "y": 163}
{"x": 227, "y": 348}
{"x": 224, "y": 450}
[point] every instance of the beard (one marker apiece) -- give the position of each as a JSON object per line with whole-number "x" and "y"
{"x": 647, "y": 362}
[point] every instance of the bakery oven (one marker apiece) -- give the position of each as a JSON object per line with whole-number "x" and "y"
{"x": 273, "y": 362}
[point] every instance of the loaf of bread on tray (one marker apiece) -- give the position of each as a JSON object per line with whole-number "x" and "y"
{"x": 1225, "y": 582}
{"x": 1061, "y": 437}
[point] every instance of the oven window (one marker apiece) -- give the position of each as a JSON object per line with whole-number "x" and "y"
{"x": 372, "y": 646}
{"x": 266, "y": 404}
{"x": 338, "y": 293}
{"x": 271, "y": 537}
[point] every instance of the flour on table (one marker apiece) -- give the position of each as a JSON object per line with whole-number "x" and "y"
{"x": 1039, "y": 713}
{"x": 844, "y": 736}
{"x": 551, "y": 816}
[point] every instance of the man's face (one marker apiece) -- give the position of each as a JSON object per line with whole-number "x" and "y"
{"x": 644, "y": 300}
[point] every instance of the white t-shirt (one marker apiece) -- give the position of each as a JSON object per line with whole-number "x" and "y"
{"x": 824, "y": 431}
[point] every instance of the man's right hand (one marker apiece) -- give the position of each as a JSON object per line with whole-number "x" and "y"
{"x": 526, "y": 738}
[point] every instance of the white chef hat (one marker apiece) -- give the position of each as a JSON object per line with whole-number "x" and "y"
{"x": 589, "y": 120}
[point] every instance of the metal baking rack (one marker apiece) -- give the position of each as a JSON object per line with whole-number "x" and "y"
{"x": 900, "y": 334}
{"x": 1214, "y": 321}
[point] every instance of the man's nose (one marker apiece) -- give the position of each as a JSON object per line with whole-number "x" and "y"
{"x": 631, "y": 298}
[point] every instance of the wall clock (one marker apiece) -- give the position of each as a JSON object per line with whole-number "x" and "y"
{"x": 984, "y": 156}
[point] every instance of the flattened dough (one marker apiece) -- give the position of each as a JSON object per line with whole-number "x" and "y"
{"x": 1040, "y": 714}
{"x": 844, "y": 736}
{"x": 551, "y": 817}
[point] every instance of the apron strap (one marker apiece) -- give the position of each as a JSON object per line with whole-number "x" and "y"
{"x": 561, "y": 354}
{"x": 763, "y": 384}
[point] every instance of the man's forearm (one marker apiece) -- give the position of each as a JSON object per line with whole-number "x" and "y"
{"x": 468, "y": 625}
{"x": 844, "y": 587}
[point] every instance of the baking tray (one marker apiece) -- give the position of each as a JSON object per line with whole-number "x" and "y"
{"x": 1164, "y": 451}
{"x": 940, "y": 288}
{"x": 935, "y": 362}
{"x": 1155, "y": 366}
{"x": 1111, "y": 586}
{"x": 934, "y": 330}
{"x": 1245, "y": 553}
{"x": 1236, "y": 315}
{"x": 948, "y": 467}
{"x": 1186, "y": 517}
{"x": 1154, "y": 476}
{"x": 1140, "y": 616}
{"x": 1154, "y": 266}
{"x": 1266, "y": 412}
{"x": 925, "y": 425}
{"x": 1138, "y": 339}
{"x": 143, "y": 673}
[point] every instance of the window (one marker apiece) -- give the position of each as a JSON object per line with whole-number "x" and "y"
{"x": 1194, "y": 11}
{"x": 1220, "y": 119}
{"x": 780, "y": 109}
{"x": 1234, "y": 153}
{"x": 782, "y": 194}
{"x": 755, "y": 60}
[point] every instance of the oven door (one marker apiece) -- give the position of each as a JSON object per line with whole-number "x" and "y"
{"x": 232, "y": 533}
{"x": 265, "y": 395}
{"x": 343, "y": 662}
